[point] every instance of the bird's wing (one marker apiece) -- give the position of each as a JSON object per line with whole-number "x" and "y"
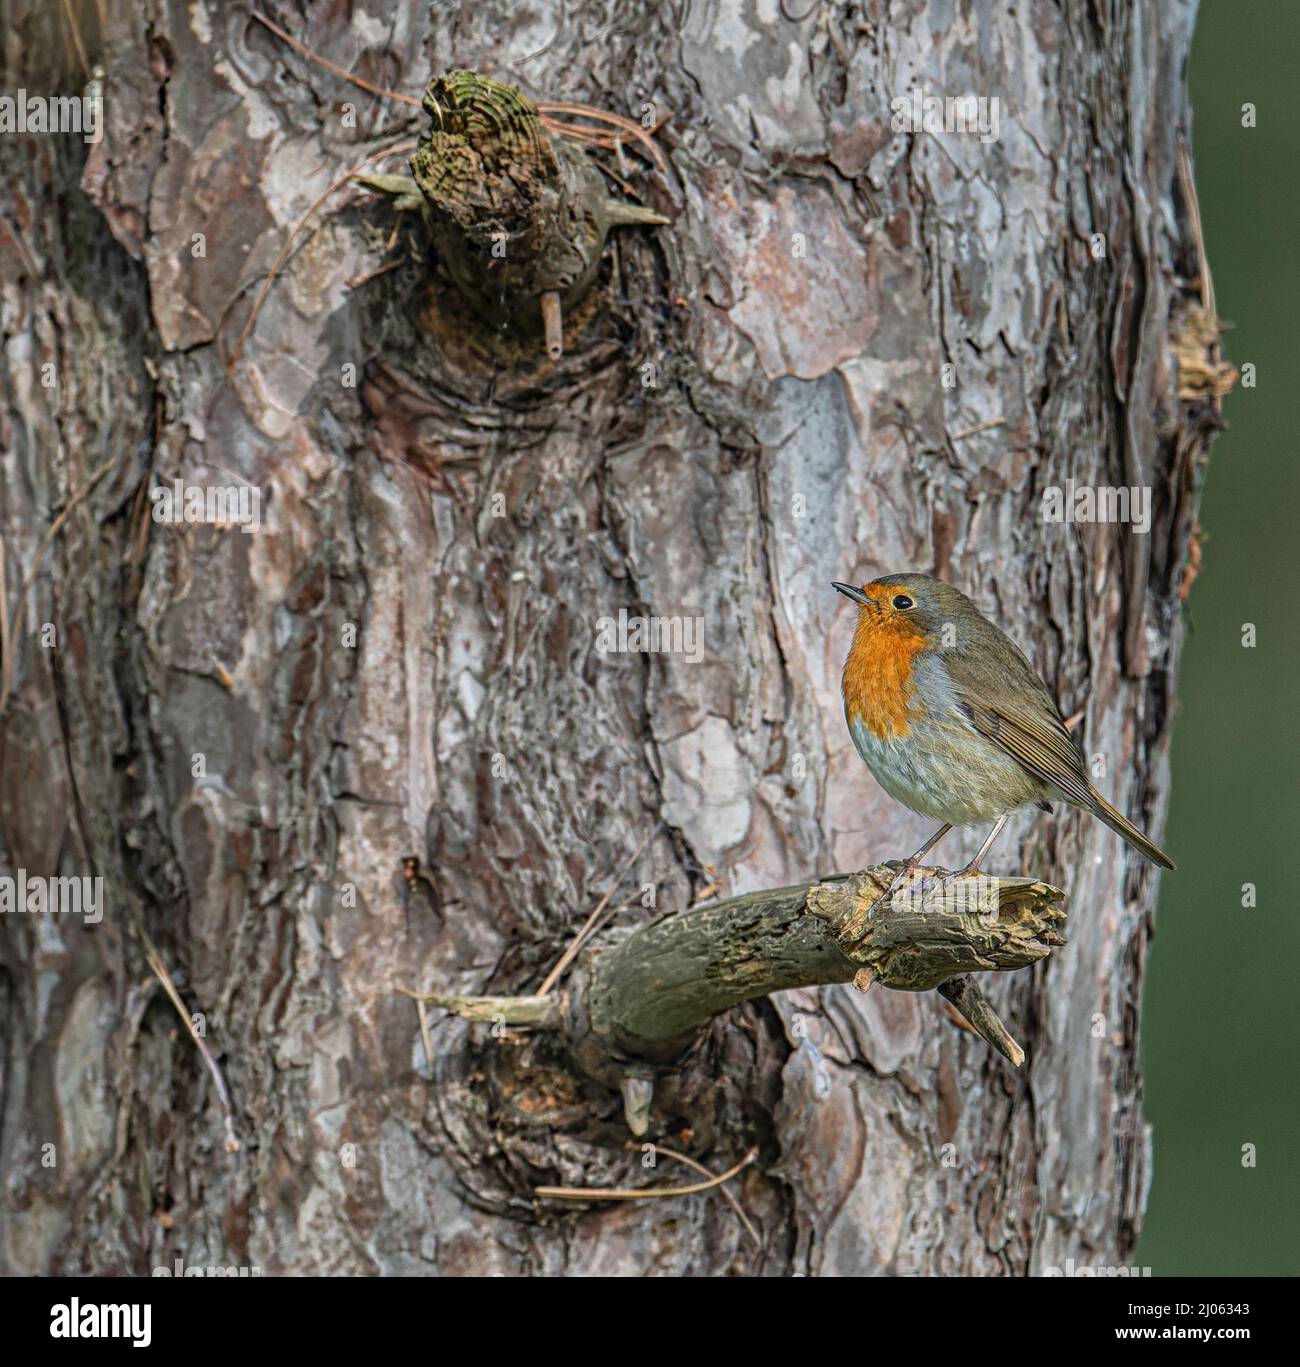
{"x": 1029, "y": 728}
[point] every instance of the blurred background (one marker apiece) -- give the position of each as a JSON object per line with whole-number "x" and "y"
{"x": 1219, "y": 1032}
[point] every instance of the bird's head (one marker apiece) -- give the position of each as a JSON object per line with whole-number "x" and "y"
{"x": 909, "y": 606}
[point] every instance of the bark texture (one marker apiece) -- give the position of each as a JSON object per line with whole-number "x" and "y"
{"x": 751, "y": 403}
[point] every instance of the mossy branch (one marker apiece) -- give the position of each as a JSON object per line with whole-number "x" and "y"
{"x": 638, "y": 1003}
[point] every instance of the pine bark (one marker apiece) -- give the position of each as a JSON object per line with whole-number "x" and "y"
{"x": 774, "y": 392}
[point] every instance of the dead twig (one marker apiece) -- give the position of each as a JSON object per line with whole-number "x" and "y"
{"x": 589, "y": 924}
{"x": 979, "y": 427}
{"x": 160, "y": 972}
{"x": 329, "y": 66}
{"x": 425, "y": 1036}
{"x": 398, "y": 149}
{"x": 75, "y": 31}
{"x": 10, "y": 634}
{"x": 546, "y": 108}
{"x": 641, "y": 1193}
{"x": 722, "y": 1191}
{"x": 358, "y": 280}
{"x": 538, "y": 1011}
{"x": 553, "y": 324}
{"x": 966, "y": 995}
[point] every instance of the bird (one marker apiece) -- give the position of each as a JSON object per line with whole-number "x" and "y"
{"x": 952, "y": 720}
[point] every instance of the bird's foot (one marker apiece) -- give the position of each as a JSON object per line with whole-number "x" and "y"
{"x": 966, "y": 889}
{"x": 908, "y": 868}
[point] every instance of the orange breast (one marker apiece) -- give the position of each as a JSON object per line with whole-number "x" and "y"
{"x": 878, "y": 677}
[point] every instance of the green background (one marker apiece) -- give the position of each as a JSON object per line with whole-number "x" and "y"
{"x": 1223, "y": 993}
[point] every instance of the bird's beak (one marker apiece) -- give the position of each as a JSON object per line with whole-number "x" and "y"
{"x": 850, "y": 592}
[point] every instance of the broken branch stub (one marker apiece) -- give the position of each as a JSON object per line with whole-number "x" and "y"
{"x": 514, "y": 215}
{"x": 934, "y": 929}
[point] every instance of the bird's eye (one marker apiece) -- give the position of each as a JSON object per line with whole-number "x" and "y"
{"x": 902, "y": 602}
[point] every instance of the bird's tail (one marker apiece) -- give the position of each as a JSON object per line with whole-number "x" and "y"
{"x": 1124, "y": 828}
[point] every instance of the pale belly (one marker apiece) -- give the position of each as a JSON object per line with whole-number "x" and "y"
{"x": 947, "y": 772}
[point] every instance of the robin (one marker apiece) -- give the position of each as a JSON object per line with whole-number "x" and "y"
{"x": 952, "y": 720}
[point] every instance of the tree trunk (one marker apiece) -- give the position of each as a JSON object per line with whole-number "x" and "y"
{"x": 246, "y": 735}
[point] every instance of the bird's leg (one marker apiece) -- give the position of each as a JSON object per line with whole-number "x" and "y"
{"x": 974, "y": 865}
{"x": 909, "y": 868}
